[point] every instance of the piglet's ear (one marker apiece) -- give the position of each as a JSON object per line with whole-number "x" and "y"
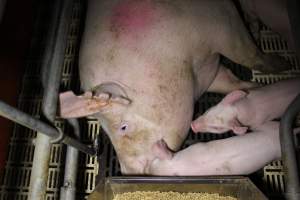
{"x": 198, "y": 124}
{"x": 233, "y": 97}
{"x": 237, "y": 127}
{"x": 240, "y": 130}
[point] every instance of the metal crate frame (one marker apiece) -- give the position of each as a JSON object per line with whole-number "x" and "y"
{"x": 16, "y": 179}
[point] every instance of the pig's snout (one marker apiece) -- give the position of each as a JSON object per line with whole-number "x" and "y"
{"x": 193, "y": 126}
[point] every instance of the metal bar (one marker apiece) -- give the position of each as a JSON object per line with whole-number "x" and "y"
{"x": 293, "y": 8}
{"x": 55, "y": 66}
{"x": 39, "y": 172}
{"x": 40, "y": 166}
{"x": 288, "y": 150}
{"x": 68, "y": 191}
{"x": 49, "y": 50}
{"x": 286, "y": 135}
{"x": 52, "y": 69}
{"x": 77, "y": 145}
{"x": 2, "y": 9}
{"x": 28, "y": 121}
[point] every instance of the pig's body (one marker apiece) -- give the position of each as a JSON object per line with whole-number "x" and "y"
{"x": 238, "y": 155}
{"x": 159, "y": 56}
{"x": 239, "y": 110}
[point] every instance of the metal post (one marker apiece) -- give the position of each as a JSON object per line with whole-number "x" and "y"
{"x": 288, "y": 150}
{"x": 28, "y": 121}
{"x": 39, "y": 175}
{"x": 68, "y": 191}
{"x": 293, "y": 8}
{"x": 286, "y": 135}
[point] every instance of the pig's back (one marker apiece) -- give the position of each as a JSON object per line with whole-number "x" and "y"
{"x": 122, "y": 37}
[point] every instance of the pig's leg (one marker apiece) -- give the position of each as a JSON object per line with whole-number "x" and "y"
{"x": 232, "y": 156}
{"x": 251, "y": 18}
{"x": 226, "y": 82}
{"x": 238, "y": 46}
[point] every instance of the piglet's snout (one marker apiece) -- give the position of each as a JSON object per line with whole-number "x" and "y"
{"x": 197, "y": 125}
{"x": 141, "y": 165}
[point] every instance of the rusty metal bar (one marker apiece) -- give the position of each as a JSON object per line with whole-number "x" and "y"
{"x": 51, "y": 78}
{"x": 68, "y": 191}
{"x": 40, "y": 166}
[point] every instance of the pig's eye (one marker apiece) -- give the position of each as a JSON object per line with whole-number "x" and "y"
{"x": 124, "y": 127}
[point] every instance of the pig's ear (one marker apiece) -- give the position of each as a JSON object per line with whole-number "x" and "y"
{"x": 240, "y": 130}
{"x": 237, "y": 127}
{"x": 72, "y": 106}
{"x": 234, "y": 96}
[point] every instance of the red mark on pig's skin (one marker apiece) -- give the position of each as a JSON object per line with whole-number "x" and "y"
{"x": 132, "y": 17}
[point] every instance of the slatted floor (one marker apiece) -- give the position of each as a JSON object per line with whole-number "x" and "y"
{"x": 15, "y": 183}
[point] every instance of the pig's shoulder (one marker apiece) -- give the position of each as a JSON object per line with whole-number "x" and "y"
{"x": 134, "y": 18}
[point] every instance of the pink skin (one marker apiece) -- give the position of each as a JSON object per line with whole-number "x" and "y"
{"x": 151, "y": 53}
{"x": 232, "y": 156}
{"x": 133, "y": 19}
{"x": 225, "y": 82}
{"x": 239, "y": 111}
{"x": 162, "y": 151}
{"x": 132, "y": 16}
{"x": 222, "y": 117}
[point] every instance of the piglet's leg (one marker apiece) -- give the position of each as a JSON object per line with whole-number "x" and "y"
{"x": 226, "y": 82}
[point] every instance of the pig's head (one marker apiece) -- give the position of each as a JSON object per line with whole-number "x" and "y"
{"x": 133, "y": 136}
{"x": 222, "y": 117}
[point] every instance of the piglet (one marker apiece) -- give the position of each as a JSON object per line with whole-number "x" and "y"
{"x": 239, "y": 155}
{"x": 240, "y": 110}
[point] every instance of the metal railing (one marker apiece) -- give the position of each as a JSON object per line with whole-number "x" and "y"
{"x": 47, "y": 133}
